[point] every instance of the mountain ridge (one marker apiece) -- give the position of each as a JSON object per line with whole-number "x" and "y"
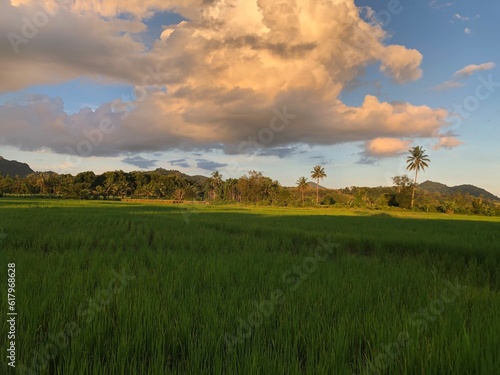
{"x": 14, "y": 168}
{"x": 432, "y": 186}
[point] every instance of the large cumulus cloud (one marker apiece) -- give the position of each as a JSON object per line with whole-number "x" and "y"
{"x": 213, "y": 81}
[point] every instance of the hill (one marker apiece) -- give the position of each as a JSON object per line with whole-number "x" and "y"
{"x": 13, "y": 168}
{"x": 475, "y": 191}
{"x": 314, "y": 184}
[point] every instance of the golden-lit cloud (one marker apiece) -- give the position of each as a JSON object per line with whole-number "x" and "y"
{"x": 386, "y": 147}
{"x": 216, "y": 80}
{"x": 452, "y": 84}
{"x": 470, "y": 69}
{"x": 462, "y": 74}
{"x": 447, "y": 142}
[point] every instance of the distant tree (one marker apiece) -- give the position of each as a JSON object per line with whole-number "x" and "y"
{"x": 303, "y": 186}
{"x": 215, "y": 183}
{"x": 179, "y": 194}
{"x": 41, "y": 182}
{"x": 401, "y": 183}
{"x": 230, "y": 189}
{"x": 123, "y": 188}
{"x": 27, "y": 185}
{"x": 404, "y": 188}
{"x": 478, "y": 205}
{"x": 100, "y": 192}
{"x": 328, "y": 200}
{"x": 110, "y": 187}
{"x": 450, "y": 206}
{"x": 318, "y": 173}
{"x": 6, "y": 184}
{"x": 85, "y": 177}
{"x": 64, "y": 185}
{"x": 361, "y": 197}
{"x": 257, "y": 188}
{"x": 416, "y": 161}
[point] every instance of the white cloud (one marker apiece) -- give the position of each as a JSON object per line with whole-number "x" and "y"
{"x": 459, "y": 17}
{"x": 467, "y": 30}
{"x": 471, "y": 69}
{"x": 462, "y": 74}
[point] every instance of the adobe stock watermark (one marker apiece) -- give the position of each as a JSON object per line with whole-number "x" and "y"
{"x": 265, "y": 137}
{"x": 420, "y": 321}
{"x": 383, "y": 18}
{"x": 484, "y": 90}
{"x": 189, "y": 210}
{"x": 292, "y": 279}
{"x": 30, "y": 27}
{"x": 56, "y": 343}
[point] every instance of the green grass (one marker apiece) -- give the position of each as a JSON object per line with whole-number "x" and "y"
{"x": 339, "y": 291}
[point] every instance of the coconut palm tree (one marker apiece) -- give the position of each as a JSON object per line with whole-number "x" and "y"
{"x": 317, "y": 173}
{"x": 302, "y": 185}
{"x": 416, "y": 161}
{"x": 215, "y": 182}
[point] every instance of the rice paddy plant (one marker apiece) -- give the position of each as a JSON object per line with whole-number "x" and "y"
{"x": 124, "y": 288}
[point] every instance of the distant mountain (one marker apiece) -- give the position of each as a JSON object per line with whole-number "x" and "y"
{"x": 314, "y": 184}
{"x": 475, "y": 191}
{"x": 13, "y": 168}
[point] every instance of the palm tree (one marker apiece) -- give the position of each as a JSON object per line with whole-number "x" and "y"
{"x": 216, "y": 182}
{"x": 416, "y": 161}
{"x": 302, "y": 185}
{"x": 41, "y": 182}
{"x": 317, "y": 173}
{"x": 100, "y": 191}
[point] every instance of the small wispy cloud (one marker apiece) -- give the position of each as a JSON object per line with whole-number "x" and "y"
{"x": 209, "y": 165}
{"x": 458, "y": 16}
{"x": 179, "y": 163}
{"x": 439, "y": 5}
{"x": 471, "y": 69}
{"x": 319, "y": 159}
{"x": 281, "y": 152}
{"x": 448, "y": 85}
{"x": 140, "y": 162}
{"x": 447, "y": 142}
{"x": 463, "y": 73}
{"x": 467, "y": 30}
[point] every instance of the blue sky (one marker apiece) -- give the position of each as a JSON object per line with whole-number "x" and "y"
{"x": 222, "y": 72}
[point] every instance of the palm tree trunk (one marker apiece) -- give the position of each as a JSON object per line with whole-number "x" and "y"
{"x": 317, "y": 191}
{"x": 413, "y": 191}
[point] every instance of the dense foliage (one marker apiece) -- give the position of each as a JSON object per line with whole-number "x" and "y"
{"x": 252, "y": 188}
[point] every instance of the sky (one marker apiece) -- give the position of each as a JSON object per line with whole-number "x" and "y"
{"x": 267, "y": 85}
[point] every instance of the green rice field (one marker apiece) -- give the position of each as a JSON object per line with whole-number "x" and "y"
{"x": 149, "y": 288}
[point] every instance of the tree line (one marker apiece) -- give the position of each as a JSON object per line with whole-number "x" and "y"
{"x": 251, "y": 188}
